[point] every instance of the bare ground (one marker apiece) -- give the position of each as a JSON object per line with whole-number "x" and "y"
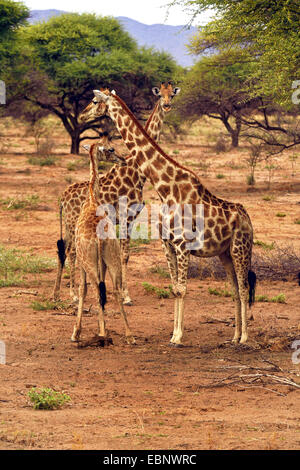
{"x": 208, "y": 394}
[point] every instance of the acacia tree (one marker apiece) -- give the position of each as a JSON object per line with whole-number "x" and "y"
{"x": 63, "y": 60}
{"x": 12, "y": 16}
{"x": 269, "y": 32}
{"x": 215, "y": 87}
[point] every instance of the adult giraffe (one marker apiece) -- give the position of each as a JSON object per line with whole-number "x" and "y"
{"x": 76, "y": 194}
{"x": 227, "y": 227}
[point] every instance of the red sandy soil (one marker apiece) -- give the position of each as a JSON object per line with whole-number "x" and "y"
{"x": 149, "y": 396}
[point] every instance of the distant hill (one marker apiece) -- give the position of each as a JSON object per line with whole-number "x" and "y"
{"x": 171, "y": 39}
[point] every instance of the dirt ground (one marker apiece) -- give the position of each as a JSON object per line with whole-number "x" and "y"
{"x": 209, "y": 394}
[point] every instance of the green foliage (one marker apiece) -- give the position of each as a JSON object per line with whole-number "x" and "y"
{"x": 279, "y": 299}
{"x": 15, "y": 263}
{"x": 41, "y": 305}
{"x": 220, "y": 293}
{"x": 250, "y": 180}
{"x": 72, "y": 47}
{"x": 215, "y": 87}
{"x": 158, "y": 291}
{"x": 47, "y": 398}
{"x": 42, "y": 161}
{"x": 265, "y": 246}
{"x": 160, "y": 271}
{"x": 267, "y": 31}
{"x": 28, "y": 202}
{"x": 61, "y": 61}
{"x": 12, "y": 15}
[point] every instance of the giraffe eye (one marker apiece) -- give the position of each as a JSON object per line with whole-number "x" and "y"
{"x": 95, "y": 101}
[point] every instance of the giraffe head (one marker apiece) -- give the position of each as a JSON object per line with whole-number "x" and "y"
{"x": 104, "y": 152}
{"x": 166, "y": 92}
{"x": 95, "y": 108}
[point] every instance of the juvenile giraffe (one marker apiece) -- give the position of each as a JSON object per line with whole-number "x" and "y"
{"x": 75, "y": 195}
{"x": 71, "y": 202}
{"x": 227, "y": 229}
{"x": 94, "y": 255}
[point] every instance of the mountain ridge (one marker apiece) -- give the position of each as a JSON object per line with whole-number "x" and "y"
{"x": 168, "y": 38}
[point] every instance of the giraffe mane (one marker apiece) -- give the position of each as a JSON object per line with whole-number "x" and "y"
{"x": 153, "y": 143}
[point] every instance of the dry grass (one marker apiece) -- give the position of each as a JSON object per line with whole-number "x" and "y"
{"x": 279, "y": 264}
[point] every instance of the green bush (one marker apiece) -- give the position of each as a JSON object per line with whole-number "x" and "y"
{"x": 47, "y": 399}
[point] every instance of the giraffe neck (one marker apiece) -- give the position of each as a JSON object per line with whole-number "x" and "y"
{"x": 155, "y": 122}
{"x": 171, "y": 181}
{"x": 93, "y": 184}
{"x": 153, "y": 126}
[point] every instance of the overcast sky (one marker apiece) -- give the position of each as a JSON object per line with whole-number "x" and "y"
{"x": 144, "y": 11}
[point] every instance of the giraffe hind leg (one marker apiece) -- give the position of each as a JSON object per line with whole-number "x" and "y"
{"x": 241, "y": 262}
{"x": 111, "y": 256}
{"x": 82, "y": 294}
{"x": 227, "y": 262}
{"x": 125, "y": 249}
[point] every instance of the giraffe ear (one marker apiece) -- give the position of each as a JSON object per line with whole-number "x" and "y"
{"x": 176, "y": 91}
{"x": 155, "y": 91}
{"x": 86, "y": 147}
{"x": 101, "y": 96}
{"x": 113, "y": 92}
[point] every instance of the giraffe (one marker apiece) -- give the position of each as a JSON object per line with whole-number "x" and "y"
{"x": 227, "y": 229}
{"x": 75, "y": 195}
{"x": 94, "y": 255}
{"x": 71, "y": 202}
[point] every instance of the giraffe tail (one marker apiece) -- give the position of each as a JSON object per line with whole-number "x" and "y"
{"x": 102, "y": 286}
{"x": 61, "y": 248}
{"x": 102, "y": 289}
{"x": 252, "y": 284}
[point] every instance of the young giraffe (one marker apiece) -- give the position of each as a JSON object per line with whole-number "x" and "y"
{"x": 94, "y": 256}
{"x": 71, "y": 202}
{"x": 227, "y": 228}
{"x": 75, "y": 195}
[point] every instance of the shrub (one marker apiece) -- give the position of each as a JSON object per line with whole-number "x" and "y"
{"x": 42, "y": 161}
{"x": 47, "y": 399}
{"x": 160, "y": 271}
{"x": 220, "y": 145}
{"x": 160, "y": 292}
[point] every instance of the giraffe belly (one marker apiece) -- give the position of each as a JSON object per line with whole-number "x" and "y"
{"x": 211, "y": 248}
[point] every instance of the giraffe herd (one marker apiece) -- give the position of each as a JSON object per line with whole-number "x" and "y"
{"x": 226, "y": 229}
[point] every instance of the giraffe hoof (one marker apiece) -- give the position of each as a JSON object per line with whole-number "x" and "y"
{"x": 128, "y": 302}
{"x": 176, "y": 345}
{"x": 243, "y": 339}
{"x": 130, "y": 340}
{"x": 75, "y": 338}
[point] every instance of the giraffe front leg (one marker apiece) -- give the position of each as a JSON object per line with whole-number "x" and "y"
{"x": 82, "y": 293}
{"x": 178, "y": 262}
{"x": 72, "y": 263}
{"x": 125, "y": 250}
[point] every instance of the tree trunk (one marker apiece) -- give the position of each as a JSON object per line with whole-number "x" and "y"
{"x": 234, "y": 132}
{"x": 75, "y": 136}
{"x": 234, "y": 138}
